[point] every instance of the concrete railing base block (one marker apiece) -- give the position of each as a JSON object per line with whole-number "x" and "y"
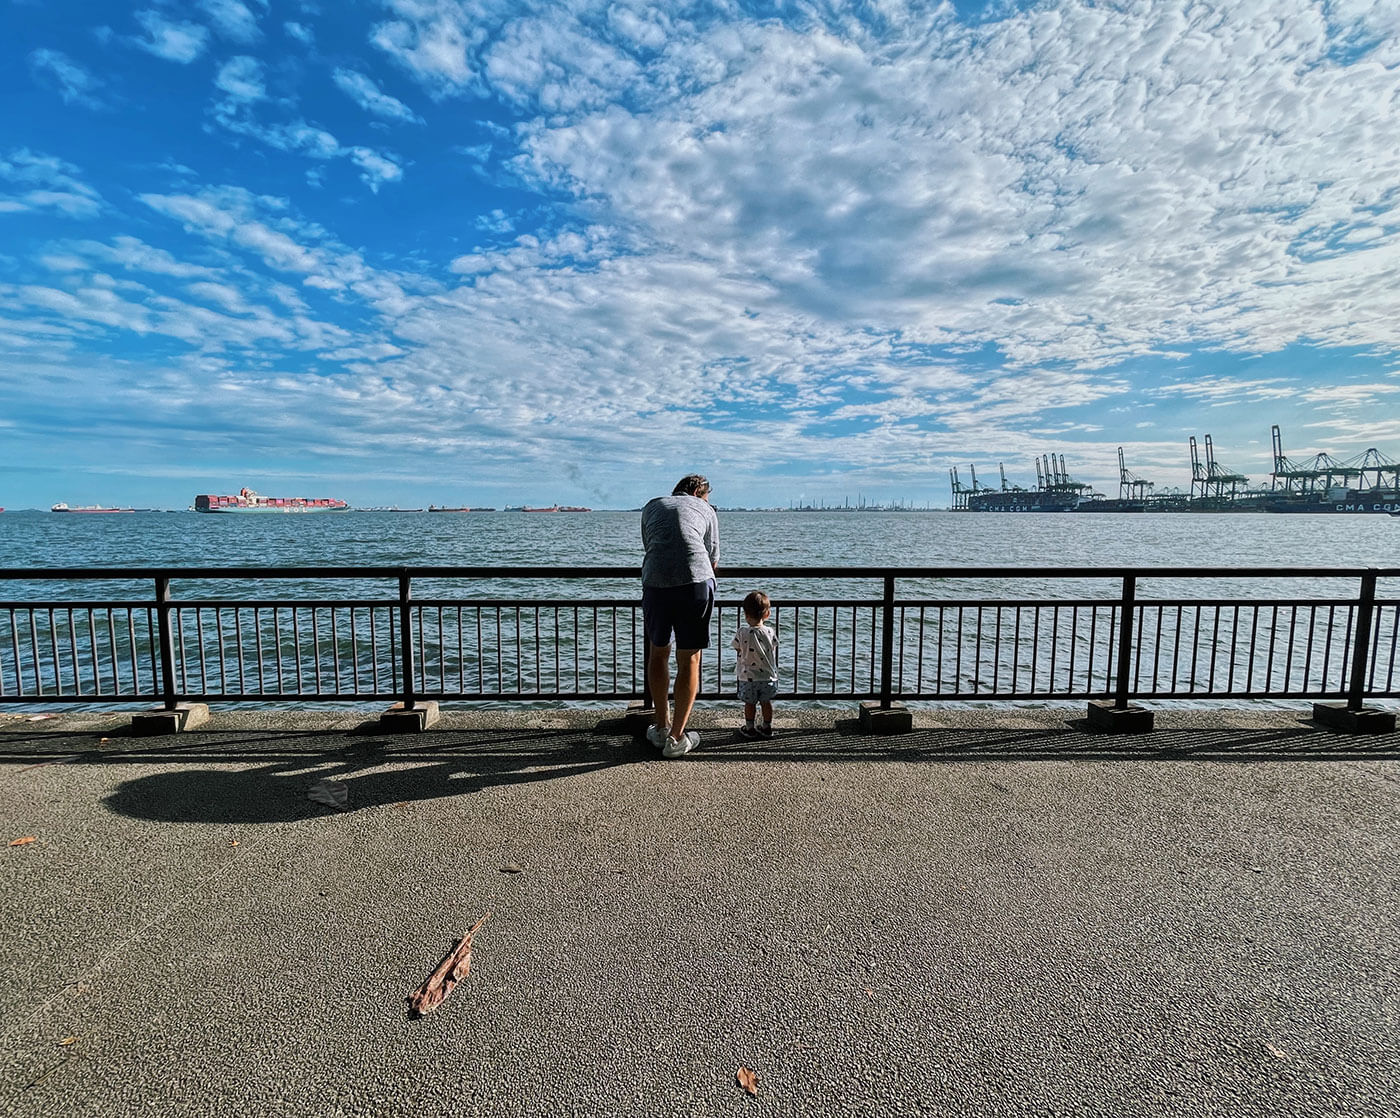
{"x": 894, "y": 719}
{"x": 1367, "y": 720}
{"x": 159, "y": 720}
{"x": 400, "y": 720}
{"x": 637, "y": 718}
{"x": 1105, "y": 718}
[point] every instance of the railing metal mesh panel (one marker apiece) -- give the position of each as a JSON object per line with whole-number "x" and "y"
{"x": 527, "y": 646}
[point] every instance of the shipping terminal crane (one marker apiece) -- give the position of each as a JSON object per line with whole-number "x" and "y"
{"x": 1130, "y": 486}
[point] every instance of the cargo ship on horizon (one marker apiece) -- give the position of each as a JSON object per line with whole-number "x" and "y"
{"x": 62, "y": 507}
{"x": 250, "y": 501}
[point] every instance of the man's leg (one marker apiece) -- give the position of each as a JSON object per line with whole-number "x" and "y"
{"x": 659, "y": 683}
{"x": 687, "y": 685}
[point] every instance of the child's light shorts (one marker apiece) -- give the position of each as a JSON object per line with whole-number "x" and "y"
{"x": 757, "y": 690}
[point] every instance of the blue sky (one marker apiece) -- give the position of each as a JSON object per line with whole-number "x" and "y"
{"x": 469, "y": 251}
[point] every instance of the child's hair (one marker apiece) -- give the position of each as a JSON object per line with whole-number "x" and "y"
{"x": 756, "y": 604}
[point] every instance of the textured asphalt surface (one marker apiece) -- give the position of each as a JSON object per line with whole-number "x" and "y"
{"x": 998, "y": 914}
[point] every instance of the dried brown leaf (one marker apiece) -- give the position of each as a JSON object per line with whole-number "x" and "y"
{"x": 455, "y": 966}
{"x": 66, "y": 1041}
{"x": 24, "y": 841}
{"x": 748, "y": 1080}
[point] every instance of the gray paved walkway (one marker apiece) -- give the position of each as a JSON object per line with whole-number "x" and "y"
{"x": 995, "y": 915}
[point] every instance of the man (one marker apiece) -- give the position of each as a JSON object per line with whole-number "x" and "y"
{"x": 681, "y": 536}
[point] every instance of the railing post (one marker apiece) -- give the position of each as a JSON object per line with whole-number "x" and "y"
{"x": 1125, "y": 642}
{"x": 167, "y": 642}
{"x": 887, "y": 645}
{"x": 1365, "y": 607}
{"x": 406, "y": 640}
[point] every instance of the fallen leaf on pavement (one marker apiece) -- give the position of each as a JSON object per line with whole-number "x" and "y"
{"x": 233, "y": 842}
{"x": 25, "y": 841}
{"x": 66, "y": 1041}
{"x": 455, "y": 966}
{"x": 1277, "y": 1053}
{"x": 748, "y": 1080}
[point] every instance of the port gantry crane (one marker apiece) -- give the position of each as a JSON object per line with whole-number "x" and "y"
{"x": 1211, "y": 478}
{"x": 1130, "y": 486}
{"x": 961, "y": 492}
{"x": 1323, "y": 472}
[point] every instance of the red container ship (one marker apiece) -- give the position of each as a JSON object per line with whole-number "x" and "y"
{"x": 247, "y": 500}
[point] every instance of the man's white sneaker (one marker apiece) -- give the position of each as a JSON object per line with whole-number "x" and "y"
{"x": 657, "y": 735}
{"x": 679, "y": 747}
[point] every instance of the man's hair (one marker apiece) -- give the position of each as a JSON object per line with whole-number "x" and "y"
{"x": 756, "y": 604}
{"x": 692, "y": 485}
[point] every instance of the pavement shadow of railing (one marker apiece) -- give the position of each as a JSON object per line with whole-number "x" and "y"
{"x": 384, "y": 771}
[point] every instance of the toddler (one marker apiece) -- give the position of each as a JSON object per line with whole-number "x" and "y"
{"x": 757, "y": 669}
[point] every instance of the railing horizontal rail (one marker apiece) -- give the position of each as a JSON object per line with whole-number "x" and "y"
{"x": 844, "y": 632}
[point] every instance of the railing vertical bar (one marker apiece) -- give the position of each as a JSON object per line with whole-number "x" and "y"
{"x": 203, "y": 658}
{"x": 374, "y": 652}
{"x": 1288, "y": 653}
{"x": 1214, "y": 650}
{"x": 996, "y": 651}
{"x": 977, "y": 656}
{"x": 277, "y": 646}
{"x": 1073, "y": 641}
{"x": 1394, "y": 644}
{"x": 1125, "y": 641}
{"x": 957, "y": 659}
{"x": 1035, "y": 644}
{"x": 1327, "y": 647}
{"x": 1365, "y": 606}
{"x": 1308, "y": 656}
{"x": 816, "y": 630}
{"x": 167, "y": 649}
{"x": 1253, "y": 644}
{"x": 73, "y": 653}
{"x": 355, "y": 651}
{"x": 53, "y": 652}
{"x": 152, "y": 631}
{"x": 1054, "y": 642}
{"x": 406, "y": 687}
{"x": 1176, "y": 647}
{"x": 1094, "y": 641}
{"x": 296, "y": 645}
{"x": 1273, "y": 640}
{"x": 919, "y": 665}
{"x": 1156, "y": 648}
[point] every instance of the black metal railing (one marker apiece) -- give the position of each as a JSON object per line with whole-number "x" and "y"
{"x": 544, "y": 633}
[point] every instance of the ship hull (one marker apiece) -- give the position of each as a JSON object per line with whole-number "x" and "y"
{"x": 260, "y": 510}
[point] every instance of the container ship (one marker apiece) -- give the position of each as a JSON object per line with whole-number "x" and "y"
{"x": 1368, "y": 483}
{"x": 61, "y": 507}
{"x": 248, "y": 500}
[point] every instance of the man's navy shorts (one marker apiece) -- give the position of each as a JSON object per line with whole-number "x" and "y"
{"x": 685, "y": 609}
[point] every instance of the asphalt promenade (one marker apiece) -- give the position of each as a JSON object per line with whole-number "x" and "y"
{"x": 997, "y": 914}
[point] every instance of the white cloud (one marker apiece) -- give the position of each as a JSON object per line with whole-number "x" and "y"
{"x": 45, "y": 183}
{"x": 432, "y": 39}
{"x": 232, "y": 19}
{"x": 241, "y": 79}
{"x": 300, "y": 32}
{"x": 372, "y": 99}
{"x": 174, "y": 41}
{"x": 375, "y": 168}
{"x": 76, "y": 84}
